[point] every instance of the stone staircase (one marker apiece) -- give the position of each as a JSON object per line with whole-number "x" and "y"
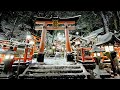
{"x": 37, "y": 71}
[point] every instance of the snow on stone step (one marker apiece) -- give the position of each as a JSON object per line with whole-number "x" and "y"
{"x": 55, "y": 74}
{"x": 54, "y": 66}
{"x": 55, "y": 71}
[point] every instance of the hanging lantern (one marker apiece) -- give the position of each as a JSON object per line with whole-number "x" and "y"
{"x": 109, "y": 48}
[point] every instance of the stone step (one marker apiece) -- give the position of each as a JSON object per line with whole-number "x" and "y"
{"x": 6, "y": 76}
{"x": 104, "y": 76}
{"x": 54, "y": 76}
{"x": 38, "y": 71}
{"x": 1, "y": 68}
{"x": 55, "y": 71}
{"x": 54, "y": 67}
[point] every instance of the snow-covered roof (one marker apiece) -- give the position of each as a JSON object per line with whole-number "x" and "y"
{"x": 106, "y": 38}
{"x": 93, "y": 34}
{"x": 96, "y": 49}
{"x": 97, "y": 31}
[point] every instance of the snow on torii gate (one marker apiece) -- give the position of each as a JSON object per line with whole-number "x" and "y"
{"x": 54, "y": 23}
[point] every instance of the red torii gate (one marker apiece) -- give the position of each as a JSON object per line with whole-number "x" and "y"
{"x": 55, "y": 23}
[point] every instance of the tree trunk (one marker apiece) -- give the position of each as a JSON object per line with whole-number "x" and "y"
{"x": 115, "y": 24}
{"x": 116, "y": 20}
{"x": 0, "y": 23}
{"x": 104, "y": 22}
{"x": 118, "y": 17}
{"x": 14, "y": 26}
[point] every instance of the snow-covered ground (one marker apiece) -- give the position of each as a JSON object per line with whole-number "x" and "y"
{"x": 54, "y": 61}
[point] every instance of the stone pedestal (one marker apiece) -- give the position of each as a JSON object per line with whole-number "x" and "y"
{"x": 70, "y": 57}
{"x": 40, "y": 57}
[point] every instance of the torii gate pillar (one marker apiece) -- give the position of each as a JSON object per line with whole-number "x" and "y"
{"x": 69, "y": 54}
{"x": 40, "y": 57}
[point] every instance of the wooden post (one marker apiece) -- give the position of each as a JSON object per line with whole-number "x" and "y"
{"x": 31, "y": 52}
{"x": 102, "y": 56}
{"x": 83, "y": 55}
{"x": 77, "y": 55}
{"x": 92, "y": 54}
{"x": 119, "y": 52}
{"x": 15, "y": 48}
{"x": 0, "y": 59}
{"x": 26, "y": 53}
